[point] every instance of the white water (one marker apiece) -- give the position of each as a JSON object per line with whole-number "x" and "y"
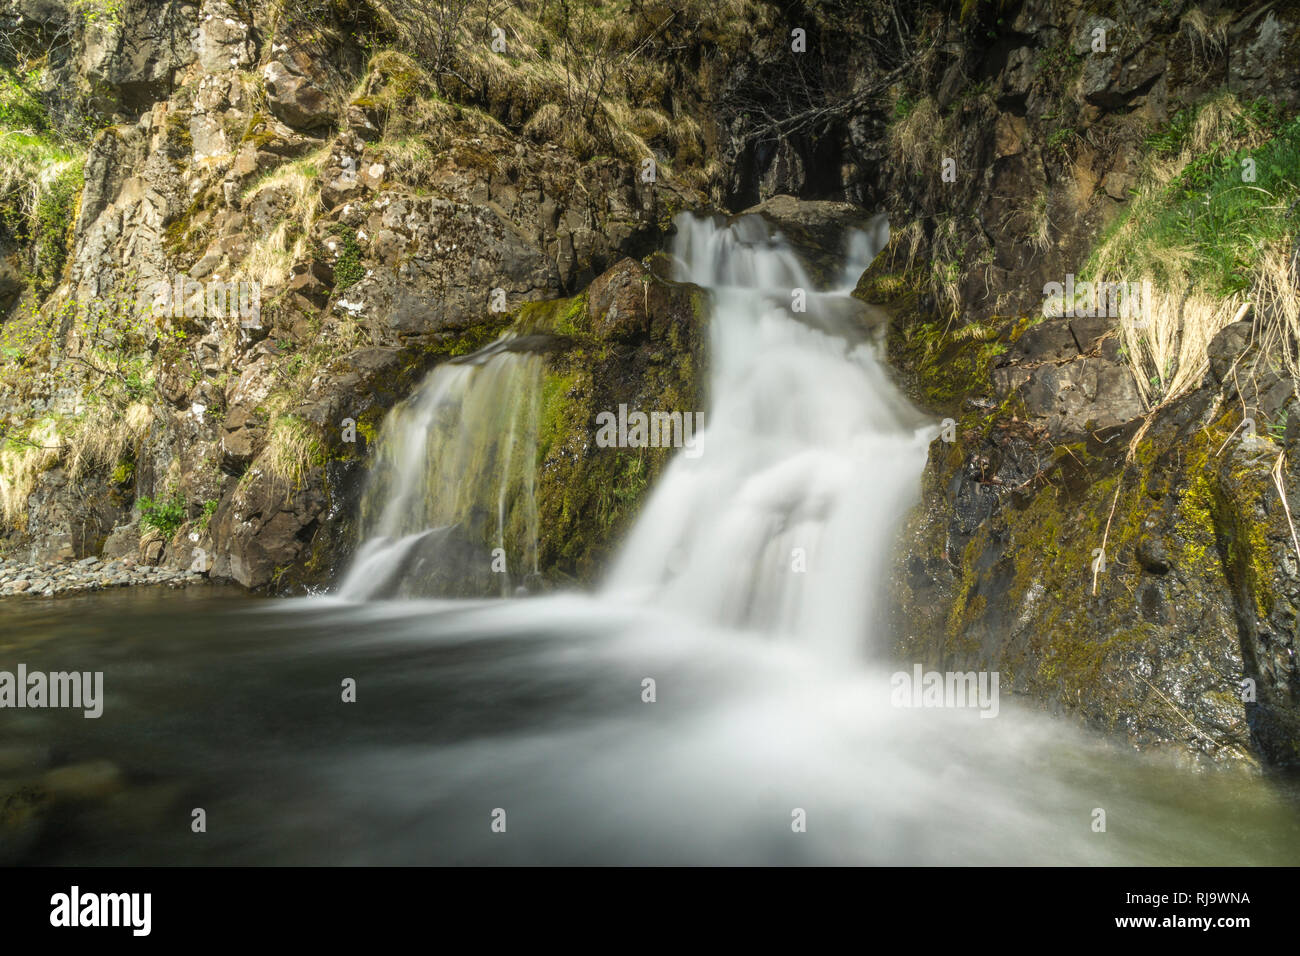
{"x": 468, "y": 435}
{"x": 785, "y": 520}
{"x": 810, "y": 456}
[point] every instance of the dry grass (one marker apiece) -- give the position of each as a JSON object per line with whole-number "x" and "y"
{"x": 946, "y": 257}
{"x": 1209, "y": 34}
{"x": 271, "y": 256}
{"x": 23, "y": 459}
{"x": 913, "y": 139}
{"x": 1276, "y": 295}
{"x": 101, "y": 437}
{"x": 292, "y": 448}
{"x": 1167, "y": 336}
{"x": 591, "y": 77}
{"x": 1040, "y": 230}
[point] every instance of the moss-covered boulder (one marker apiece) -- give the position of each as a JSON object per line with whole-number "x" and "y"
{"x": 631, "y": 339}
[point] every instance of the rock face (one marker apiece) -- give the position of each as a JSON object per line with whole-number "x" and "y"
{"x": 371, "y": 221}
{"x": 292, "y": 95}
{"x": 1137, "y": 590}
{"x": 633, "y": 339}
{"x": 1129, "y": 565}
{"x": 1068, "y": 373}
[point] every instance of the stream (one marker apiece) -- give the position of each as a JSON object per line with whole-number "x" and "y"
{"x": 724, "y": 696}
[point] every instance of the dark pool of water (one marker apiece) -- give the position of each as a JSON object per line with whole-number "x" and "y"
{"x": 217, "y": 701}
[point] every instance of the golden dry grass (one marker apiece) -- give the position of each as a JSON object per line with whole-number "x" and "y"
{"x": 914, "y": 138}
{"x": 271, "y": 256}
{"x": 101, "y": 437}
{"x": 23, "y": 459}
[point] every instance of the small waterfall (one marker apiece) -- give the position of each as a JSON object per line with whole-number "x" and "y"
{"x": 810, "y": 457}
{"x": 784, "y": 520}
{"x": 453, "y": 476}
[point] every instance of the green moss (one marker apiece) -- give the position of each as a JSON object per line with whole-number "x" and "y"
{"x": 177, "y": 129}
{"x": 475, "y": 338}
{"x": 555, "y": 317}
{"x": 348, "y": 269}
{"x": 562, "y": 410}
{"x": 944, "y": 365}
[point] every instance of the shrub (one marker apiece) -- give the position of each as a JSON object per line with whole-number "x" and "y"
{"x": 164, "y": 516}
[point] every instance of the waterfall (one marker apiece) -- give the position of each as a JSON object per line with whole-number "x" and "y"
{"x": 455, "y": 467}
{"x": 781, "y": 520}
{"x": 810, "y": 456}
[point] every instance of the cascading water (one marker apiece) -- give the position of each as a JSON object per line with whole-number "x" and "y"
{"x": 455, "y": 465}
{"x": 810, "y": 455}
{"x": 782, "y": 522}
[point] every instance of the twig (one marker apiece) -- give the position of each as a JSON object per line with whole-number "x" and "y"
{"x": 1119, "y": 485}
{"x": 1208, "y": 739}
{"x": 1281, "y": 491}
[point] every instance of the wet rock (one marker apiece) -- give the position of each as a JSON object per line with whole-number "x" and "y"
{"x": 818, "y": 230}
{"x": 84, "y": 781}
{"x": 1153, "y": 555}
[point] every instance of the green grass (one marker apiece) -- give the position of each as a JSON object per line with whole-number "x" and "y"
{"x": 1206, "y": 241}
{"x": 1207, "y": 209}
{"x": 40, "y": 176}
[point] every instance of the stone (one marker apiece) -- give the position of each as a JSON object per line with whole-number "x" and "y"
{"x": 1152, "y": 554}
{"x": 91, "y": 780}
{"x": 1118, "y": 186}
{"x": 1009, "y": 135}
{"x": 294, "y": 98}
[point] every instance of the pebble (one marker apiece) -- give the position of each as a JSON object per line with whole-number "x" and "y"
{"x": 49, "y": 578}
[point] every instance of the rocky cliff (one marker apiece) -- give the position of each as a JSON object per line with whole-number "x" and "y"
{"x": 387, "y": 210}
{"x": 1106, "y": 518}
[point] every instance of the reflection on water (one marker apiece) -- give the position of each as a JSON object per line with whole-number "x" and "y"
{"x": 535, "y": 707}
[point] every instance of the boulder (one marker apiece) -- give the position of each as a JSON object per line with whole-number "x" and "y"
{"x": 293, "y": 95}
{"x": 819, "y": 231}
